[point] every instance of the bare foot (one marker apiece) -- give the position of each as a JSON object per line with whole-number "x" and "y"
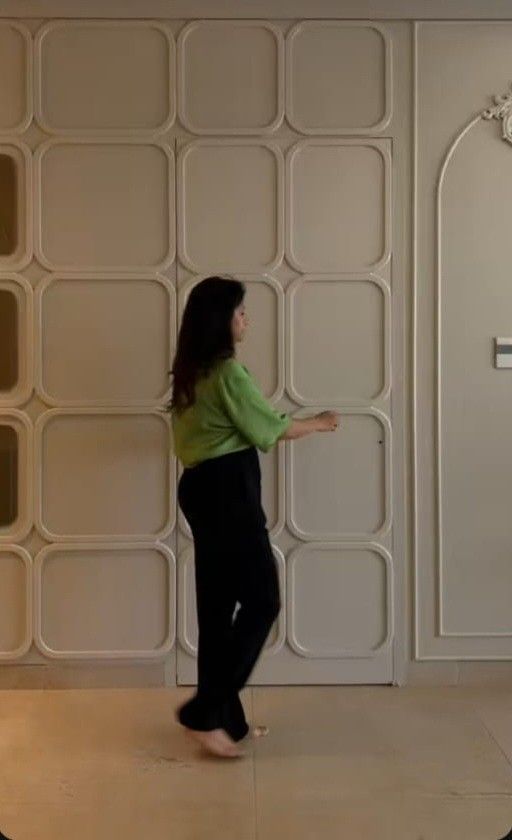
{"x": 217, "y": 742}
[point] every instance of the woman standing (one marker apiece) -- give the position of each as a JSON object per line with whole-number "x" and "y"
{"x": 219, "y": 420}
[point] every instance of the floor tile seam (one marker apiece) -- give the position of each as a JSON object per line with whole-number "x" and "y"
{"x": 253, "y": 759}
{"x": 490, "y": 734}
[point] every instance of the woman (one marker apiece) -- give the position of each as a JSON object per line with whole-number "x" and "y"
{"x": 219, "y": 420}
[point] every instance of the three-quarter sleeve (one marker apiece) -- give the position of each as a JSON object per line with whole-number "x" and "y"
{"x": 248, "y": 409}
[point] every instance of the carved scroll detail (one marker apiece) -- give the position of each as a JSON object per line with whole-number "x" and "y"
{"x": 502, "y": 110}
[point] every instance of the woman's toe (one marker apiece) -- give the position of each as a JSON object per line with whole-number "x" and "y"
{"x": 259, "y": 731}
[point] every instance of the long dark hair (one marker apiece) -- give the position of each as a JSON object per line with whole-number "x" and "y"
{"x": 205, "y": 335}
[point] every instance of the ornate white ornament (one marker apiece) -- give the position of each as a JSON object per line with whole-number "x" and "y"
{"x": 502, "y": 110}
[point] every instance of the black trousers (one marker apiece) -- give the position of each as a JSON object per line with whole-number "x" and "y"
{"x": 234, "y": 562}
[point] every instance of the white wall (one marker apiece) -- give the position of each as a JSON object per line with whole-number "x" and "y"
{"x": 315, "y": 173}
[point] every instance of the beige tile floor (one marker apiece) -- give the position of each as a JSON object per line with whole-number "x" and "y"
{"x": 340, "y": 762}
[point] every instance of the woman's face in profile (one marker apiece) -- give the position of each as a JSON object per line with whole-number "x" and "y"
{"x": 239, "y": 323}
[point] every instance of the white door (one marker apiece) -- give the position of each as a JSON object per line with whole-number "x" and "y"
{"x": 289, "y": 187}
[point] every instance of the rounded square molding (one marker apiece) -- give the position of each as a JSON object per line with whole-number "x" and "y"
{"x": 291, "y": 292}
{"x": 8, "y": 76}
{"x": 301, "y": 648}
{"x": 87, "y": 96}
{"x": 301, "y": 30}
{"x": 229, "y": 27}
{"x": 336, "y": 536}
{"x": 92, "y": 203}
{"x": 22, "y": 156}
{"x": 113, "y": 548}
{"x": 82, "y": 448}
{"x": 23, "y": 293}
{"x": 332, "y": 263}
{"x": 60, "y": 400}
{"x": 26, "y": 560}
{"x": 236, "y": 208}
{"x": 21, "y": 527}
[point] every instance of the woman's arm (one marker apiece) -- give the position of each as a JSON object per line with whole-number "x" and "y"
{"x": 326, "y": 421}
{"x": 255, "y": 418}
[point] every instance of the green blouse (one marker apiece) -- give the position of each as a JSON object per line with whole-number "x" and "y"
{"x": 229, "y": 414}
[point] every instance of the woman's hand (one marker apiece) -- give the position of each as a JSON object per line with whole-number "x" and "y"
{"x": 328, "y": 421}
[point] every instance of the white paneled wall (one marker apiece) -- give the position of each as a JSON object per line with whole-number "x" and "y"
{"x": 92, "y": 272}
{"x": 463, "y": 302}
{"x": 136, "y": 158}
